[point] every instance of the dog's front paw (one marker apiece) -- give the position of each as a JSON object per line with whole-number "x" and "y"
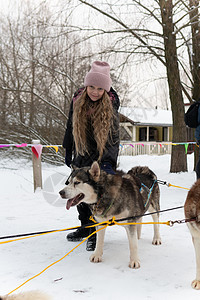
{"x": 134, "y": 264}
{"x": 196, "y": 284}
{"x": 156, "y": 241}
{"x": 96, "y": 258}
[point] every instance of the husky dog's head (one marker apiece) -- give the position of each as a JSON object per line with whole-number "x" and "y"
{"x": 81, "y": 186}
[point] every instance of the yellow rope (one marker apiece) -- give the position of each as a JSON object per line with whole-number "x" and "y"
{"x": 56, "y": 261}
{"x": 114, "y": 222}
{"x": 108, "y": 223}
{"x": 144, "y": 223}
{"x": 34, "y": 235}
{"x": 180, "y": 187}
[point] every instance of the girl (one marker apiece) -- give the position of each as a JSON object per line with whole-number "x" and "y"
{"x": 92, "y": 133}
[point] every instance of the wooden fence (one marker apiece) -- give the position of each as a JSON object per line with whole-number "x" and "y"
{"x": 141, "y": 148}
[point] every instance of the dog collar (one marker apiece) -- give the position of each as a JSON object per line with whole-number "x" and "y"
{"x": 107, "y": 209}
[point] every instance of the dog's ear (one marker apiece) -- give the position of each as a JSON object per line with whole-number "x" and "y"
{"x": 95, "y": 171}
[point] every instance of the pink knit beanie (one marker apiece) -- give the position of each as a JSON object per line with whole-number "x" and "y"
{"x": 99, "y": 75}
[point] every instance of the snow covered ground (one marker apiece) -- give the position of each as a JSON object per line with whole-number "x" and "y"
{"x": 166, "y": 271}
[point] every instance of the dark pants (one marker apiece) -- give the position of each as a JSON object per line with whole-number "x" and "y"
{"x": 84, "y": 213}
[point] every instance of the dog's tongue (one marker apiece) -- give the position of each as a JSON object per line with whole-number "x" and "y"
{"x": 74, "y": 201}
{"x": 69, "y": 203}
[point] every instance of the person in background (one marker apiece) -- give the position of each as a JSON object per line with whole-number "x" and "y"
{"x": 197, "y": 137}
{"x": 92, "y": 134}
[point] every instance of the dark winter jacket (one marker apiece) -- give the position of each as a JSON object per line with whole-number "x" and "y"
{"x": 197, "y": 130}
{"x": 110, "y": 154}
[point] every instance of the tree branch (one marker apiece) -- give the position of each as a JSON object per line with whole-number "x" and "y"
{"x": 127, "y": 28}
{"x": 29, "y": 92}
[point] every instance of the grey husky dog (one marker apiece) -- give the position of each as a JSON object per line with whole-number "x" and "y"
{"x": 121, "y": 196}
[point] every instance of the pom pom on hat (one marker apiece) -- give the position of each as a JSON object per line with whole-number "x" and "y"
{"x": 99, "y": 75}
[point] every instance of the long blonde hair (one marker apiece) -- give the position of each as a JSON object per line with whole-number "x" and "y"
{"x": 101, "y": 114}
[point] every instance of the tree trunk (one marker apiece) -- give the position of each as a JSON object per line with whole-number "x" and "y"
{"x": 195, "y": 57}
{"x": 178, "y": 157}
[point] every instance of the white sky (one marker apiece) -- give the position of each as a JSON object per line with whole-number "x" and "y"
{"x": 142, "y": 78}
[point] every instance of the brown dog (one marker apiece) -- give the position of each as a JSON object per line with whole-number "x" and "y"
{"x": 192, "y": 210}
{"x": 32, "y": 295}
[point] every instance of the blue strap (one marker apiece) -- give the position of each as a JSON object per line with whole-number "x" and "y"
{"x": 150, "y": 191}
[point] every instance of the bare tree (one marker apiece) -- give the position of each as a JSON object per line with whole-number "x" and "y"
{"x": 41, "y": 67}
{"x": 44, "y": 57}
{"x": 163, "y": 46}
{"x": 178, "y": 157}
{"x": 195, "y": 53}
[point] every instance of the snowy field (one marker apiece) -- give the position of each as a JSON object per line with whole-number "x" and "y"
{"x": 166, "y": 271}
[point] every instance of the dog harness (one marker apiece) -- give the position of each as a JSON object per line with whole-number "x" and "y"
{"x": 149, "y": 191}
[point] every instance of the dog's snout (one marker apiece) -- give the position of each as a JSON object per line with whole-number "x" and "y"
{"x": 62, "y": 193}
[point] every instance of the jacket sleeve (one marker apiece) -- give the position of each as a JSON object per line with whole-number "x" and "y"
{"x": 112, "y": 146}
{"x": 115, "y": 99}
{"x": 197, "y": 130}
{"x": 68, "y": 141}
